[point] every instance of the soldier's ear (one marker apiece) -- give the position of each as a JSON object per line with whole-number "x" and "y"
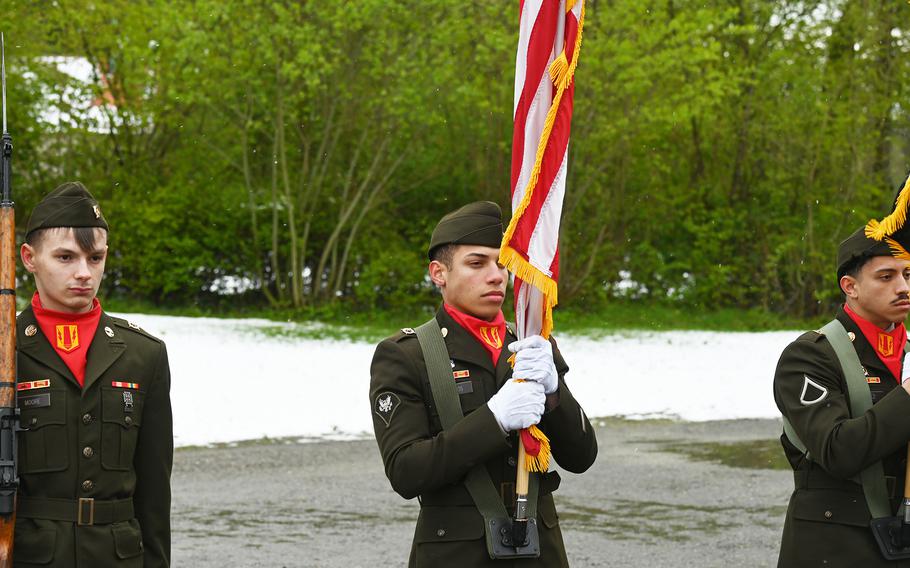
{"x": 438, "y": 273}
{"x": 28, "y": 256}
{"x": 848, "y": 285}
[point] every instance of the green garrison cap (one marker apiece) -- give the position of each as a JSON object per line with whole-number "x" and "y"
{"x": 70, "y": 205}
{"x": 478, "y": 223}
{"x": 858, "y": 245}
{"x": 890, "y": 236}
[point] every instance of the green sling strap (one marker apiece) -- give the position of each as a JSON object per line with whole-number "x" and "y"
{"x": 445, "y": 394}
{"x": 873, "y": 477}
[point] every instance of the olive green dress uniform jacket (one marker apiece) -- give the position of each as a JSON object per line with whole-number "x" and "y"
{"x": 828, "y": 520}
{"x": 87, "y": 443}
{"x": 423, "y": 461}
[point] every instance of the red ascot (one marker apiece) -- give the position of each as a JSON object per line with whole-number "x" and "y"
{"x": 888, "y": 345}
{"x": 69, "y": 334}
{"x": 488, "y": 333}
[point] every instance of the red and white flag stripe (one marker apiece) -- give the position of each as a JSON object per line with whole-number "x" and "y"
{"x": 548, "y": 46}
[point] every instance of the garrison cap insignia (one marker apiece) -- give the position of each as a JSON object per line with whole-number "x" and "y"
{"x": 408, "y": 331}
{"x": 812, "y": 392}
{"x": 31, "y": 330}
{"x": 97, "y": 211}
{"x": 386, "y": 405}
{"x": 108, "y": 331}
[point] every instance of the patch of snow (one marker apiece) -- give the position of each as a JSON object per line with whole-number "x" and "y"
{"x": 236, "y": 379}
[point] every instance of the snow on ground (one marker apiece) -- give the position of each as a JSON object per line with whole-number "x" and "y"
{"x": 238, "y": 379}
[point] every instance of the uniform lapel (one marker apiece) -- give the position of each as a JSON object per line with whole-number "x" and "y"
{"x": 39, "y": 347}
{"x": 864, "y": 350}
{"x": 103, "y": 351}
{"x": 461, "y": 344}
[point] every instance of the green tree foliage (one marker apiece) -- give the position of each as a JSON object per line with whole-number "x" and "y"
{"x": 720, "y": 149}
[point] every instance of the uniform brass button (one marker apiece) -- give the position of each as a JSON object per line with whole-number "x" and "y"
{"x": 512, "y": 461}
{"x": 441, "y": 532}
{"x": 86, "y": 418}
{"x": 88, "y": 452}
{"x": 34, "y": 420}
{"x": 87, "y": 485}
{"x": 128, "y": 420}
{"x": 828, "y": 514}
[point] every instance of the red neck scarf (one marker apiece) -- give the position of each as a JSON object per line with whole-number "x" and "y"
{"x": 69, "y": 334}
{"x": 489, "y": 334}
{"x": 888, "y": 345}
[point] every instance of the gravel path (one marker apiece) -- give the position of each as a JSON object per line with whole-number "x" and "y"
{"x": 328, "y": 504}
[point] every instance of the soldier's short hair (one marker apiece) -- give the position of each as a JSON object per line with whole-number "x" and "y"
{"x": 444, "y": 254}
{"x": 85, "y": 237}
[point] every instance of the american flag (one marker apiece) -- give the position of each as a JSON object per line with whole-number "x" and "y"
{"x": 548, "y": 46}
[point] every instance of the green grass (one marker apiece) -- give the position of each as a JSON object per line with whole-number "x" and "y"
{"x": 751, "y": 454}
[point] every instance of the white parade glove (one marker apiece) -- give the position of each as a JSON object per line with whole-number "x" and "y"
{"x": 905, "y": 372}
{"x": 534, "y": 362}
{"x": 517, "y": 405}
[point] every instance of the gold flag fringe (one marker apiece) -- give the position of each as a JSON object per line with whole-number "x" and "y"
{"x": 541, "y": 462}
{"x": 878, "y": 230}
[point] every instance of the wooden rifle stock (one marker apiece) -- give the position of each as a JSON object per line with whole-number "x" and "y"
{"x": 9, "y": 414}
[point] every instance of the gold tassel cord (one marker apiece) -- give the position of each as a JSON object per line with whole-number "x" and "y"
{"x": 878, "y": 229}
{"x": 897, "y": 251}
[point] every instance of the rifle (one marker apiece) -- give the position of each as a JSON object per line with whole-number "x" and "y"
{"x": 9, "y": 414}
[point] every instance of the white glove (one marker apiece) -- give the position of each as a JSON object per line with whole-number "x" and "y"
{"x": 517, "y": 405}
{"x": 534, "y": 362}
{"x": 905, "y": 371}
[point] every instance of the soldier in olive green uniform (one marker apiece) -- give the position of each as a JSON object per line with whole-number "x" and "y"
{"x": 828, "y": 520}
{"x": 421, "y": 460}
{"x": 95, "y": 460}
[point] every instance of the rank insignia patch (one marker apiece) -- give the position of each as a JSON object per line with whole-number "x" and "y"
{"x": 31, "y": 385}
{"x": 67, "y": 337}
{"x": 461, "y": 374}
{"x": 123, "y": 385}
{"x": 812, "y": 392}
{"x": 385, "y": 406}
{"x": 873, "y": 380}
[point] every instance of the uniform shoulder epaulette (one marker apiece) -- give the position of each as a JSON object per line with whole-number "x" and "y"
{"x": 811, "y": 336}
{"x": 134, "y": 327}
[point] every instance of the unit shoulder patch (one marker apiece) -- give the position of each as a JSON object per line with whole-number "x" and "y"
{"x": 385, "y": 406}
{"x": 812, "y": 393}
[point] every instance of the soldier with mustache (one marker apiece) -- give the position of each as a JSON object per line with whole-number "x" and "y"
{"x": 426, "y": 461}
{"x": 835, "y": 446}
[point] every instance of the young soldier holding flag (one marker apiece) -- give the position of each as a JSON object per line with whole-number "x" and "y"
{"x": 464, "y": 467}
